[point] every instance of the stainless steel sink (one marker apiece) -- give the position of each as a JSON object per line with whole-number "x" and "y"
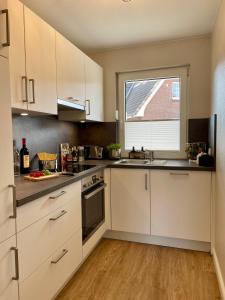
{"x": 155, "y": 162}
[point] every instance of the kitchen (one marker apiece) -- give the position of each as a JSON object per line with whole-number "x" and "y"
{"x": 115, "y": 138}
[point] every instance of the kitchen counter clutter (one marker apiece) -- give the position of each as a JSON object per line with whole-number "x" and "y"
{"x": 28, "y": 191}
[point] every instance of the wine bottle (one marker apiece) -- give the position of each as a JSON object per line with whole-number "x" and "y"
{"x": 24, "y": 158}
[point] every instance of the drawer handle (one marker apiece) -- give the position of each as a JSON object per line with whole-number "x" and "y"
{"x": 16, "y": 277}
{"x": 64, "y": 252}
{"x": 63, "y": 212}
{"x": 179, "y": 174}
{"x": 58, "y": 195}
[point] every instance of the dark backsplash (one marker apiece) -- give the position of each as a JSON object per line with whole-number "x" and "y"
{"x": 45, "y": 133}
{"x": 198, "y": 130}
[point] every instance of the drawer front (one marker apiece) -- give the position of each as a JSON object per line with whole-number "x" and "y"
{"x": 38, "y": 241}
{"x": 8, "y": 287}
{"x": 37, "y": 209}
{"x": 50, "y": 277}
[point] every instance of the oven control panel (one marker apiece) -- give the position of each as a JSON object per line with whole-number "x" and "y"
{"x": 91, "y": 180}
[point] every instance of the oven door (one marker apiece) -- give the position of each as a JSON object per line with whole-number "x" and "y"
{"x": 93, "y": 210}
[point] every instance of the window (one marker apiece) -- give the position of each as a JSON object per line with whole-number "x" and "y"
{"x": 149, "y": 116}
{"x": 176, "y": 91}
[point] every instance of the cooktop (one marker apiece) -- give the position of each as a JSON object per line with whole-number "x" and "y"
{"x": 77, "y": 168}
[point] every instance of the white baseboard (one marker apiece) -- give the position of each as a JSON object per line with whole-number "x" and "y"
{"x": 156, "y": 240}
{"x": 219, "y": 274}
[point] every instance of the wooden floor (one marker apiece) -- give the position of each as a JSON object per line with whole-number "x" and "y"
{"x": 119, "y": 270}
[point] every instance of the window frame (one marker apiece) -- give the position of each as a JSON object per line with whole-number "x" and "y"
{"x": 180, "y": 72}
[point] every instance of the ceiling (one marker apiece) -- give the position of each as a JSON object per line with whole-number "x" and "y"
{"x": 95, "y": 25}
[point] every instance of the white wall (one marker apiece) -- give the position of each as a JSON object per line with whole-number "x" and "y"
{"x": 193, "y": 51}
{"x": 218, "y": 107}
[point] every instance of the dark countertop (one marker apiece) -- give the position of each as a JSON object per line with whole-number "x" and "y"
{"x": 27, "y": 191}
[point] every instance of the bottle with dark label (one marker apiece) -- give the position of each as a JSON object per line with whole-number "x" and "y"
{"x": 24, "y": 158}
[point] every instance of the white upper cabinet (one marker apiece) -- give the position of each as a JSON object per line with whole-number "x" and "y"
{"x": 4, "y": 28}
{"x": 93, "y": 90}
{"x": 130, "y": 200}
{"x": 16, "y": 51}
{"x": 180, "y": 204}
{"x": 70, "y": 71}
{"x": 7, "y": 223}
{"x": 40, "y": 64}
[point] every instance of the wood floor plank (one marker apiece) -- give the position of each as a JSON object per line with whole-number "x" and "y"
{"x": 120, "y": 270}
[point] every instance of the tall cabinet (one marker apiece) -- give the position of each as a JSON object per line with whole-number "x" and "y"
{"x": 8, "y": 250}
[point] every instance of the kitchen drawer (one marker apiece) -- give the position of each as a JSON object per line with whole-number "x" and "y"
{"x": 35, "y": 210}
{"x": 38, "y": 241}
{"x": 50, "y": 277}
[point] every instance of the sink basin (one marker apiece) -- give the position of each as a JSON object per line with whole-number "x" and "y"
{"x": 155, "y": 162}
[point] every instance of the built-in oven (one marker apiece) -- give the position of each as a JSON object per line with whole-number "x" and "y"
{"x": 93, "y": 204}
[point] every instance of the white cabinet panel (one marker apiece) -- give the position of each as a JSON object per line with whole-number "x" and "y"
{"x": 16, "y": 53}
{"x": 50, "y": 277}
{"x": 130, "y": 200}
{"x": 8, "y": 286}
{"x": 70, "y": 71}
{"x": 40, "y": 63}
{"x": 93, "y": 90}
{"x": 107, "y": 179}
{"x": 7, "y": 224}
{"x": 180, "y": 204}
{"x": 35, "y": 210}
{"x": 4, "y": 27}
{"x": 39, "y": 240}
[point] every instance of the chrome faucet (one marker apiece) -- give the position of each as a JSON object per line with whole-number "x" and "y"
{"x": 149, "y": 155}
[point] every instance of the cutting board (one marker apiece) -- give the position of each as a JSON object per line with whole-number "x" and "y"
{"x": 41, "y": 178}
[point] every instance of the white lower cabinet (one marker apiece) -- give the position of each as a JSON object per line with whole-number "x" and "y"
{"x": 8, "y": 285}
{"x": 50, "y": 276}
{"x": 39, "y": 240}
{"x": 130, "y": 200}
{"x": 181, "y": 204}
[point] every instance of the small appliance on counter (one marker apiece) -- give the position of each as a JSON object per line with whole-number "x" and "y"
{"x": 93, "y": 152}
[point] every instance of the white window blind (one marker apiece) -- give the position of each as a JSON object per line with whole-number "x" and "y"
{"x": 156, "y": 135}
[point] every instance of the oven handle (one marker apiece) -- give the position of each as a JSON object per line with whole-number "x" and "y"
{"x": 88, "y": 196}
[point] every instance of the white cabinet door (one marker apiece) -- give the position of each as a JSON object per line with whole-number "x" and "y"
{"x": 50, "y": 277}
{"x": 8, "y": 285}
{"x": 70, "y": 71}
{"x": 130, "y": 200}
{"x": 7, "y": 224}
{"x": 180, "y": 204}
{"x": 4, "y": 29}
{"x": 40, "y": 63}
{"x": 15, "y": 52}
{"x": 93, "y": 90}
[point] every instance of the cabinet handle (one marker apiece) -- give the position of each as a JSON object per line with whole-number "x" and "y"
{"x": 64, "y": 252}
{"x": 58, "y": 195}
{"x": 24, "y": 79}
{"x": 179, "y": 174}
{"x": 146, "y": 182}
{"x": 32, "y": 81}
{"x": 16, "y": 277}
{"x": 63, "y": 212}
{"x": 89, "y": 107}
{"x": 7, "y": 43}
{"x": 14, "y": 215}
